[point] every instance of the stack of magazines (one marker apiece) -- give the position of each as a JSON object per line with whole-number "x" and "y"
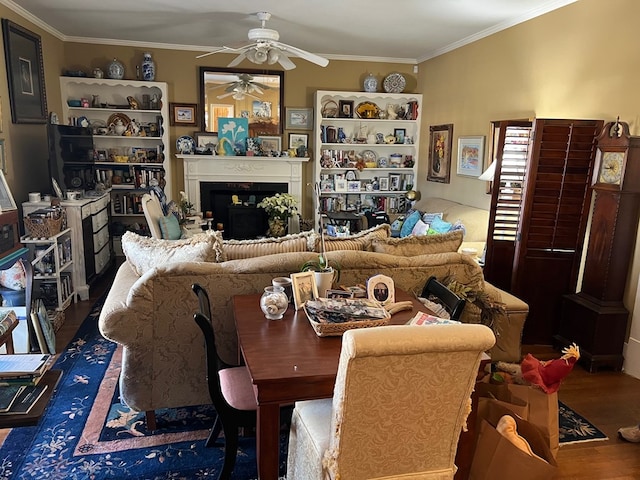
{"x": 341, "y": 310}
{"x": 20, "y": 375}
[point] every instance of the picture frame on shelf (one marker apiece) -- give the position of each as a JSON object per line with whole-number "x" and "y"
{"x": 6, "y": 198}
{"x": 25, "y": 72}
{"x": 400, "y": 134}
{"x": 384, "y": 183}
{"x": 183, "y": 114}
{"x": 298, "y": 139}
{"x": 353, "y": 186}
{"x": 341, "y": 184}
{"x": 440, "y": 141}
{"x": 345, "y": 108}
{"x": 299, "y": 118}
{"x": 394, "y": 182}
{"x": 270, "y": 144}
{"x": 470, "y": 156}
{"x": 206, "y": 140}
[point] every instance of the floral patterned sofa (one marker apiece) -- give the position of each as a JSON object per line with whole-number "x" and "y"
{"x": 149, "y": 309}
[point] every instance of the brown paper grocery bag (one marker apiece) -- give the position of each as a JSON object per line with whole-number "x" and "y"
{"x": 542, "y": 412}
{"x": 496, "y": 458}
{"x": 501, "y": 395}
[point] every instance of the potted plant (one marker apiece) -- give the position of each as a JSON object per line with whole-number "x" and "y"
{"x": 280, "y": 208}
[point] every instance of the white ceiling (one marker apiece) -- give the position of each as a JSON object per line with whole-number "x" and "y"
{"x": 407, "y": 31}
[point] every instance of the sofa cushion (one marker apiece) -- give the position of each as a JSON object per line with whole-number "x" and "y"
{"x": 144, "y": 253}
{"x": 15, "y": 277}
{"x": 240, "y": 249}
{"x": 409, "y": 223}
{"x": 358, "y": 241}
{"x": 420, "y": 228}
{"x": 419, "y": 245}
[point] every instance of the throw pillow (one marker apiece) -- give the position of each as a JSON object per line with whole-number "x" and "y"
{"x": 170, "y": 227}
{"x": 420, "y": 228}
{"x": 439, "y": 225}
{"x": 419, "y": 245}
{"x": 409, "y": 223}
{"x": 14, "y": 278}
{"x": 429, "y": 217}
{"x": 144, "y": 253}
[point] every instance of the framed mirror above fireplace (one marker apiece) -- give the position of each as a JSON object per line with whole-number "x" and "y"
{"x": 257, "y": 95}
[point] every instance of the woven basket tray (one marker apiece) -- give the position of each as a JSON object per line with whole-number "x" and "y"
{"x": 334, "y": 329}
{"x": 43, "y": 228}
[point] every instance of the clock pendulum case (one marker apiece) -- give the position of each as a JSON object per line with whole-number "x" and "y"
{"x": 595, "y": 318}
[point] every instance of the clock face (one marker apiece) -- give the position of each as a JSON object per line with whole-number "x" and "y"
{"x": 611, "y": 168}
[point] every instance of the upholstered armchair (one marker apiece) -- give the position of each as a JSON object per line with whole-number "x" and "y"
{"x": 401, "y": 399}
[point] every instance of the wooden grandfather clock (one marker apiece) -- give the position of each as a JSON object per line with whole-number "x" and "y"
{"x": 595, "y": 318}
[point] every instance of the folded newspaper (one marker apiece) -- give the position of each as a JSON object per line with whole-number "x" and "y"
{"x": 341, "y": 310}
{"x": 422, "y": 318}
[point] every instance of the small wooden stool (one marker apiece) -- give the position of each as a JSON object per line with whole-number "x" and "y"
{"x": 8, "y": 321}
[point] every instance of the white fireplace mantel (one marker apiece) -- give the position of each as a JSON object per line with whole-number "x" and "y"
{"x": 211, "y": 168}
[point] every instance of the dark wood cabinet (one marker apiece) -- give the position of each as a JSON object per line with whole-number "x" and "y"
{"x": 538, "y": 216}
{"x": 596, "y": 318}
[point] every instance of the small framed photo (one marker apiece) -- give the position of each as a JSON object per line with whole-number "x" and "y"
{"x": 346, "y": 109}
{"x": 298, "y": 139}
{"x": 394, "y": 182}
{"x": 382, "y": 289}
{"x": 353, "y": 186}
{"x": 206, "y": 140}
{"x": 270, "y": 144}
{"x": 384, "y": 183}
{"x": 183, "y": 114}
{"x": 304, "y": 288}
{"x": 399, "y": 133}
{"x": 470, "y": 156}
{"x": 341, "y": 184}
{"x": 339, "y": 294}
{"x": 299, "y": 119}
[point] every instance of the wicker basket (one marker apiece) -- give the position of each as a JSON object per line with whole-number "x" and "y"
{"x": 43, "y": 227}
{"x": 337, "y": 329}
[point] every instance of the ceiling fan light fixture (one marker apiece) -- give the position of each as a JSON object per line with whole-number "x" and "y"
{"x": 261, "y": 55}
{"x": 273, "y": 56}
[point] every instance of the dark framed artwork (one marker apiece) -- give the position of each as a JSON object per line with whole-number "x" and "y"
{"x": 184, "y": 114}
{"x": 440, "y": 141}
{"x": 25, "y": 74}
{"x": 346, "y": 109}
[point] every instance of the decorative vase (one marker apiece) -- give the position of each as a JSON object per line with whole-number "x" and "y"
{"x": 370, "y": 83}
{"x": 277, "y": 227}
{"x": 274, "y": 302}
{"x": 116, "y": 70}
{"x": 148, "y": 68}
{"x": 324, "y": 281}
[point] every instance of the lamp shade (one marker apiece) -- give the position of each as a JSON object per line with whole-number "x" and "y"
{"x": 487, "y": 175}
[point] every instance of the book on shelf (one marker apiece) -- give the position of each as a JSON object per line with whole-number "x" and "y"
{"x": 22, "y": 364}
{"x": 422, "y": 318}
{"x": 26, "y": 399}
{"x": 8, "y": 395}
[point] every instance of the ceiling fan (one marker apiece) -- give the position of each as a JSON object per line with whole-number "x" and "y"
{"x": 265, "y": 48}
{"x": 244, "y": 86}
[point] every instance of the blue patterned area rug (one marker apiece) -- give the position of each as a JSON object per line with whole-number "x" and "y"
{"x": 574, "y": 428}
{"x": 86, "y": 433}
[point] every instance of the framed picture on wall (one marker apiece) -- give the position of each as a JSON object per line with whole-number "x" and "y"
{"x": 299, "y": 119}
{"x": 470, "y": 156}
{"x": 184, "y": 114}
{"x": 440, "y": 139}
{"x": 25, "y": 72}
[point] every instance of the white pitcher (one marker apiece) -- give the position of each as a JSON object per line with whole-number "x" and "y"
{"x": 324, "y": 281}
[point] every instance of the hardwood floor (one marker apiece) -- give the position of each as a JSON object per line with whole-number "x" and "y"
{"x": 608, "y": 399}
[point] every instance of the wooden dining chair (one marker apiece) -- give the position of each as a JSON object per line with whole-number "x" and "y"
{"x": 230, "y": 389}
{"x": 452, "y": 303}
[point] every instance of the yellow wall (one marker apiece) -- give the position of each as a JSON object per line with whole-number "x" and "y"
{"x": 580, "y": 61}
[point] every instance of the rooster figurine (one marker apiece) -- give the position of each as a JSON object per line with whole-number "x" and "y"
{"x": 548, "y": 375}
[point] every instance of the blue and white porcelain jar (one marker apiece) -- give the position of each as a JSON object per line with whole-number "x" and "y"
{"x": 148, "y": 68}
{"x": 370, "y": 83}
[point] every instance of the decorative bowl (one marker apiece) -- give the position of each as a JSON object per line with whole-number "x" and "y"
{"x": 74, "y": 103}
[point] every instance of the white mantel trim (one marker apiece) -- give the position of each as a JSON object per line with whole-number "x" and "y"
{"x": 210, "y": 168}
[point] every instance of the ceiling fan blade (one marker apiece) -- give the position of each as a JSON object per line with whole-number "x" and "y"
{"x": 223, "y": 49}
{"x": 286, "y": 62}
{"x": 310, "y": 57}
{"x": 238, "y": 59}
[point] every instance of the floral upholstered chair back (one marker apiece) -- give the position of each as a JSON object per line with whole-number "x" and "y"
{"x": 401, "y": 399}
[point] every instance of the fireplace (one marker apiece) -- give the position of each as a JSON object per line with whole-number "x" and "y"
{"x": 244, "y": 220}
{"x": 264, "y": 177}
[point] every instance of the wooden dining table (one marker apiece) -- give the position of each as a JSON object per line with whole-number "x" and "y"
{"x": 288, "y": 362}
